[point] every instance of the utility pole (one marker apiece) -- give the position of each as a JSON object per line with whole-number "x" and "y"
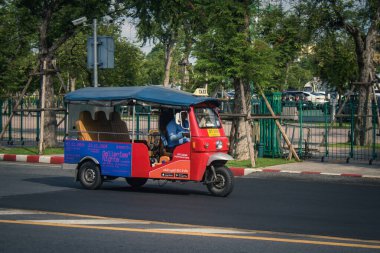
{"x": 95, "y": 53}
{"x": 41, "y": 146}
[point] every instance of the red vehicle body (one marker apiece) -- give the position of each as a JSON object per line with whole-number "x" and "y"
{"x": 99, "y": 151}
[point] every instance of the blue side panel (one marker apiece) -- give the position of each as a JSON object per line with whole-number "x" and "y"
{"x": 115, "y": 159}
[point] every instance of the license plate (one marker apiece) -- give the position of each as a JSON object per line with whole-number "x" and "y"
{"x": 213, "y": 132}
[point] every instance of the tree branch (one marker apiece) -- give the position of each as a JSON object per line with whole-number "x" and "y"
{"x": 375, "y": 20}
{"x": 61, "y": 41}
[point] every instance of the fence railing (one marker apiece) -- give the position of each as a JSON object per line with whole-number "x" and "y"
{"x": 315, "y": 130}
{"x": 24, "y": 128}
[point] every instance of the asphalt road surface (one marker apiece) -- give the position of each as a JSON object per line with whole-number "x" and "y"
{"x": 42, "y": 209}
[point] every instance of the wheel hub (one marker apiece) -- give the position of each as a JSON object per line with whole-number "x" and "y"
{"x": 89, "y": 175}
{"x": 220, "y": 181}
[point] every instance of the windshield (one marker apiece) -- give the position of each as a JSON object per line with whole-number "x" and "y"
{"x": 207, "y": 118}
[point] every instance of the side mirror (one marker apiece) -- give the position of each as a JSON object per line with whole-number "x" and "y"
{"x": 181, "y": 119}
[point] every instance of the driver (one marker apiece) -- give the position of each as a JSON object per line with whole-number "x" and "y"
{"x": 178, "y": 133}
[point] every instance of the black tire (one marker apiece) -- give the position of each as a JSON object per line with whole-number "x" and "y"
{"x": 224, "y": 183}
{"x": 89, "y": 175}
{"x": 136, "y": 182}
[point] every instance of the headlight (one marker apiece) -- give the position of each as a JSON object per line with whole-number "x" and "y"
{"x": 219, "y": 144}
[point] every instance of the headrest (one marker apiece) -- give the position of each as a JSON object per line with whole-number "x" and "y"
{"x": 115, "y": 116}
{"x": 100, "y": 116}
{"x": 85, "y": 115}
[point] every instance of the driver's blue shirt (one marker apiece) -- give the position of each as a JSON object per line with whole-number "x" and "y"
{"x": 175, "y": 131}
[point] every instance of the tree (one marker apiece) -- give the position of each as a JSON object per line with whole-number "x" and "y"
{"x": 286, "y": 33}
{"x": 51, "y": 20}
{"x": 154, "y": 66}
{"x": 16, "y": 56}
{"x": 360, "y": 20}
{"x": 164, "y": 21}
{"x": 335, "y": 64}
{"x": 129, "y": 60}
{"x": 226, "y": 52}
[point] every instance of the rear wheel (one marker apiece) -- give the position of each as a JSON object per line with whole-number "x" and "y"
{"x": 136, "y": 182}
{"x": 89, "y": 175}
{"x": 223, "y": 184}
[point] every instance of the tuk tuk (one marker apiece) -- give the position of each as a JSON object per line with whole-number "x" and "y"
{"x": 106, "y": 138}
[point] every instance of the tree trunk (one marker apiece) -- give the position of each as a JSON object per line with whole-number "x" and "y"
{"x": 363, "y": 123}
{"x": 286, "y": 76}
{"x": 169, "y": 48}
{"x": 243, "y": 146}
{"x": 365, "y": 50}
{"x": 50, "y": 121}
{"x": 240, "y": 134}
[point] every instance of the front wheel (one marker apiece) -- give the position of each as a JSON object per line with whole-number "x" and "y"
{"x": 223, "y": 184}
{"x": 136, "y": 182}
{"x": 89, "y": 175}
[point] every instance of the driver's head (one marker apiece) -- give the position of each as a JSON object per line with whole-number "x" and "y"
{"x": 184, "y": 115}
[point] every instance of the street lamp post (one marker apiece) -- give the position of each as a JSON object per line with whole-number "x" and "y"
{"x": 95, "y": 53}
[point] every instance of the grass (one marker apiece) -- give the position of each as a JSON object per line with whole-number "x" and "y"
{"x": 260, "y": 162}
{"x": 30, "y": 151}
{"x": 347, "y": 145}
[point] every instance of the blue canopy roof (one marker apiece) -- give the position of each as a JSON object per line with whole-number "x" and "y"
{"x": 149, "y": 94}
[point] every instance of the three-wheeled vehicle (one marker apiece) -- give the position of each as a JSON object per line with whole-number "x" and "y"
{"x": 106, "y": 137}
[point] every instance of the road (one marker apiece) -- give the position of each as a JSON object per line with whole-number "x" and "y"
{"x": 43, "y": 210}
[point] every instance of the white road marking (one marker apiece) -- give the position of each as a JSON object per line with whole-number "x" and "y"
{"x": 205, "y": 230}
{"x": 88, "y": 221}
{"x": 14, "y": 212}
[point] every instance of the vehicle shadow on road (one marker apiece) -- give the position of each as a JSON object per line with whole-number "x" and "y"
{"x": 66, "y": 182}
{"x": 120, "y": 186}
{"x": 155, "y": 189}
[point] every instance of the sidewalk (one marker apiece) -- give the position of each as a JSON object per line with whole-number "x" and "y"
{"x": 332, "y": 168}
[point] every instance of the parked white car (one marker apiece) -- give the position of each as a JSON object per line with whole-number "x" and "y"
{"x": 318, "y": 98}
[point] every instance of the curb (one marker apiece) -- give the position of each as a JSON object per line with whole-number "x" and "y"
{"x": 32, "y": 158}
{"x": 238, "y": 172}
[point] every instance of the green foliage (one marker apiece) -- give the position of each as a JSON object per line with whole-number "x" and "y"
{"x": 336, "y": 64}
{"x": 162, "y": 20}
{"x": 285, "y": 32}
{"x": 225, "y": 52}
{"x": 300, "y": 72}
{"x": 154, "y": 65}
{"x": 57, "y": 16}
{"x": 129, "y": 61}
{"x": 333, "y": 22}
{"x": 16, "y": 56}
{"x": 128, "y": 71}
{"x": 270, "y": 53}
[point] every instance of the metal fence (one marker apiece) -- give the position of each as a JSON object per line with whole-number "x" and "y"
{"x": 24, "y": 128}
{"x": 315, "y": 130}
